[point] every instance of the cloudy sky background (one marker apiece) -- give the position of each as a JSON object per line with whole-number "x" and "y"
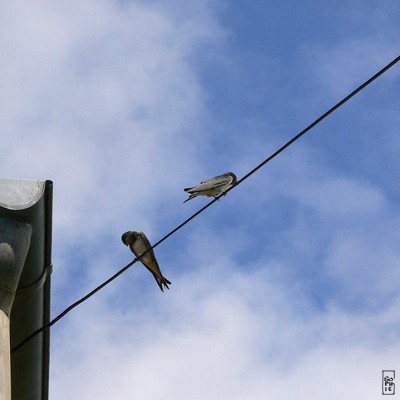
{"x": 288, "y": 287}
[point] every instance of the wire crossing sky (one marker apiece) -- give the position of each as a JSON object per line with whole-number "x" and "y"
{"x": 280, "y": 150}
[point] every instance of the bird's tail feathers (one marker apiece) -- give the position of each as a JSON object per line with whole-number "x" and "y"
{"x": 192, "y": 196}
{"x": 166, "y": 280}
{"x": 163, "y": 281}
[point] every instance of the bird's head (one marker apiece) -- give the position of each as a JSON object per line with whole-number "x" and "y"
{"x": 129, "y": 237}
{"x": 125, "y": 238}
{"x": 234, "y": 178}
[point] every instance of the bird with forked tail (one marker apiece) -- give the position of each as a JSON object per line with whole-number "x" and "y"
{"x": 139, "y": 244}
{"x": 213, "y": 187}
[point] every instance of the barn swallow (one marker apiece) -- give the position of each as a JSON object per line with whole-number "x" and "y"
{"x": 214, "y": 187}
{"x": 138, "y": 243}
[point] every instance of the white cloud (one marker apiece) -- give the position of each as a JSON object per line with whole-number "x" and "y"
{"x": 97, "y": 97}
{"x": 232, "y": 338}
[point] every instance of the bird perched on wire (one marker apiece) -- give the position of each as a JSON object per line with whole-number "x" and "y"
{"x": 213, "y": 187}
{"x": 138, "y": 243}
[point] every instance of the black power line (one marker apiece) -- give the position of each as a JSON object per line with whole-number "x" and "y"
{"x": 280, "y": 150}
{"x": 322, "y": 117}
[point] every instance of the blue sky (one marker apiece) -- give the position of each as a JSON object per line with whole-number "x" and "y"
{"x": 287, "y": 287}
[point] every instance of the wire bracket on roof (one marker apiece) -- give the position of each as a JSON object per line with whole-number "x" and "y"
{"x": 25, "y": 290}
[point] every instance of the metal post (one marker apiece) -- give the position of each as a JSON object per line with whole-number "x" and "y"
{"x": 5, "y": 365}
{"x": 15, "y": 238}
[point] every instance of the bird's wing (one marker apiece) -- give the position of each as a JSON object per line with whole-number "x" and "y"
{"x": 149, "y": 259}
{"x": 145, "y": 241}
{"x": 150, "y": 262}
{"x": 218, "y": 181}
{"x": 146, "y": 244}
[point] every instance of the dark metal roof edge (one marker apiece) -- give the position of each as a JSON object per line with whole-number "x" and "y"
{"x": 48, "y": 193}
{"x": 31, "y": 306}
